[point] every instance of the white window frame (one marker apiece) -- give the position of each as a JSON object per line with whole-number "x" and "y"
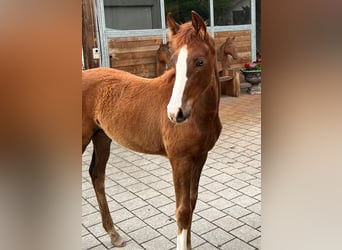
{"x": 104, "y": 33}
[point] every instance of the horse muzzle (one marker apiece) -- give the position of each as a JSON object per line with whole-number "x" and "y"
{"x": 178, "y": 116}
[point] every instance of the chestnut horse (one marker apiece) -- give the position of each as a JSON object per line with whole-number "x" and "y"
{"x": 226, "y": 49}
{"x": 174, "y": 115}
{"x": 163, "y": 58}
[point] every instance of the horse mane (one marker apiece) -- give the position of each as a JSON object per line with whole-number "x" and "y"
{"x": 187, "y": 34}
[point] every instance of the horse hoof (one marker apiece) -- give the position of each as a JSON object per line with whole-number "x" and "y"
{"x": 118, "y": 241}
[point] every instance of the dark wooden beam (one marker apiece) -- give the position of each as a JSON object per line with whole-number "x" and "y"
{"x": 88, "y": 34}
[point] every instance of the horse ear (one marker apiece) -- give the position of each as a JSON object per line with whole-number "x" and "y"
{"x": 172, "y": 24}
{"x": 199, "y": 25}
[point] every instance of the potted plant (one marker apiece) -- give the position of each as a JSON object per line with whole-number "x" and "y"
{"x": 252, "y": 74}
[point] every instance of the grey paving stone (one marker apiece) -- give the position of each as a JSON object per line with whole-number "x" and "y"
{"x": 119, "y": 176}
{"x": 127, "y": 181}
{"x": 246, "y": 233}
{"x": 139, "y": 174}
{"x": 253, "y": 220}
{"x": 160, "y": 171}
{"x": 221, "y": 203}
{"x": 117, "y": 189}
{"x": 207, "y": 196}
{"x": 130, "y": 245}
{"x": 131, "y": 169}
{"x": 88, "y": 209}
{"x": 167, "y": 177}
{"x": 228, "y": 223}
{"x": 237, "y": 244}
{"x": 159, "y": 220}
{"x": 211, "y": 214}
{"x": 146, "y": 212}
{"x": 250, "y": 190}
{"x": 134, "y": 203}
{"x": 137, "y": 187}
{"x": 205, "y": 246}
{"x": 237, "y": 211}
{"x": 161, "y": 185}
{"x": 256, "y": 208}
{"x": 91, "y": 219}
{"x": 222, "y": 178}
{"x": 114, "y": 206}
{"x": 236, "y": 184}
{"x": 215, "y": 186}
{"x": 244, "y": 176}
{"x": 202, "y": 226}
{"x": 244, "y": 200}
{"x": 168, "y": 209}
{"x": 229, "y": 193}
{"x": 169, "y": 231}
{"x": 131, "y": 224}
{"x": 210, "y": 172}
{"x": 168, "y": 192}
{"x": 124, "y": 196}
{"x": 160, "y": 242}
{"x": 196, "y": 240}
{"x": 147, "y": 193}
{"x": 217, "y": 237}
{"x": 97, "y": 230}
{"x": 159, "y": 201}
{"x": 121, "y": 215}
{"x": 84, "y": 231}
{"x": 89, "y": 241}
{"x": 144, "y": 234}
{"x": 149, "y": 179}
{"x": 256, "y": 243}
{"x": 99, "y": 247}
{"x": 255, "y": 182}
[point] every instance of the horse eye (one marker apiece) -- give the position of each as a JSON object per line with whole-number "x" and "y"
{"x": 200, "y": 62}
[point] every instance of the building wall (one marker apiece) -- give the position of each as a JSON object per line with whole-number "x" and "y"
{"x": 137, "y": 55}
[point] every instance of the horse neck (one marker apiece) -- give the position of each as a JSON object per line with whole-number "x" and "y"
{"x": 210, "y": 99}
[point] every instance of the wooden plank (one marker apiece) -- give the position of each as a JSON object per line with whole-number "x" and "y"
{"x": 130, "y": 62}
{"x": 88, "y": 34}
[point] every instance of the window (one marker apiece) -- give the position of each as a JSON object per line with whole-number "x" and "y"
{"x": 132, "y": 14}
{"x": 181, "y": 10}
{"x": 232, "y": 12}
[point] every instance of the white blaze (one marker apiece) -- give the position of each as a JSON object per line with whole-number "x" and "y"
{"x": 178, "y": 88}
{"x": 181, "y": 240}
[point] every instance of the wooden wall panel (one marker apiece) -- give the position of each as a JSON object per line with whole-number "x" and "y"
{"x": 138, "y": 54}
{"x": 242, "y": 43}
{"x": 135, "y": 54}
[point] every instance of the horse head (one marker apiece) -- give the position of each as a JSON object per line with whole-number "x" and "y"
{"x": 164, "y": 54}
{"x": 194, "y": 60}
{"x": 229, "y": 47}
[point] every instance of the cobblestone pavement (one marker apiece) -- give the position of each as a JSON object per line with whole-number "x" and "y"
{"x": 141, "y": 197}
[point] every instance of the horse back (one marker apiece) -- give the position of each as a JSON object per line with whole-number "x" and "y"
{"x": 128, "y": 108}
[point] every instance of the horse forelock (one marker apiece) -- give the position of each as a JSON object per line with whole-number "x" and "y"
{"x": 187, "y": 35}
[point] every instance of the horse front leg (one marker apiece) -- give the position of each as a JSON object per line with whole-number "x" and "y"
{"x": 181, "y": 170}
{"x": 97, "y": 172}
{"x": 195, "y": 178}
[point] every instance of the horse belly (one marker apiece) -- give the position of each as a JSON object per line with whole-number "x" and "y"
{"x": 136, "y": 137}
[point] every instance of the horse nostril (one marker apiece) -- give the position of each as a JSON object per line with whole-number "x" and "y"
{"x": 180, "y": 116}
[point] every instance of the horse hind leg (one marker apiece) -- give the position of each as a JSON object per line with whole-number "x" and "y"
{"x": 97, "y": 172}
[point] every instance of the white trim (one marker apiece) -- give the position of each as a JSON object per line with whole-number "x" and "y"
{"x": 105, "y": 33}
{"x": 253, "y": 29}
